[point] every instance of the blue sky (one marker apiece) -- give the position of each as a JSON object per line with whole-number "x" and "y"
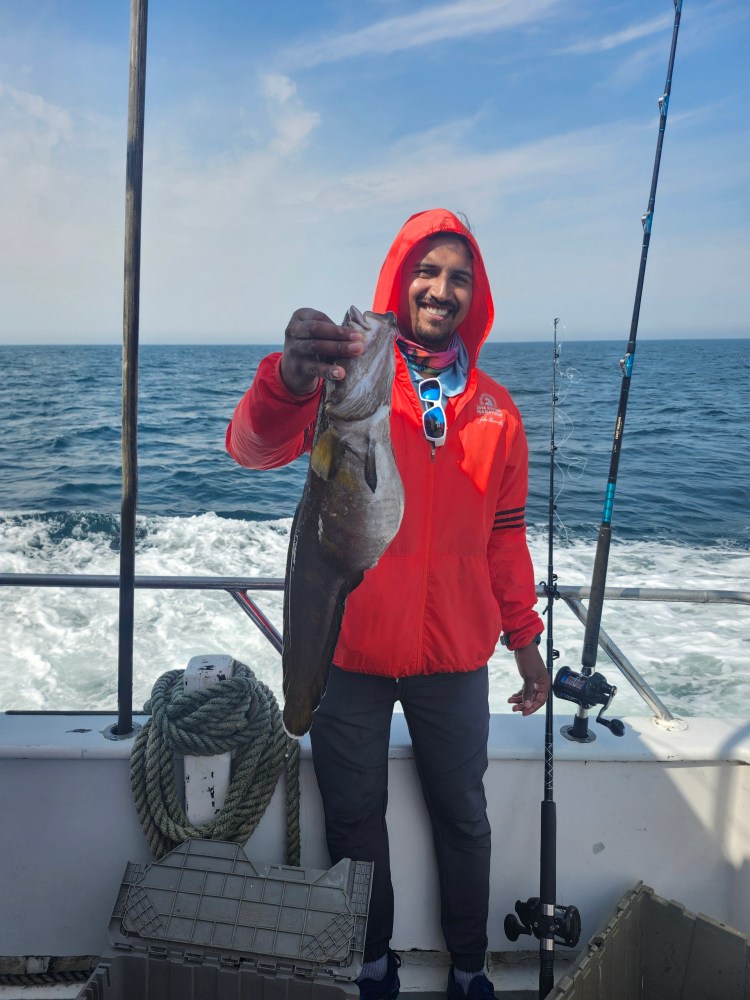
{"x": 286, "y": 143}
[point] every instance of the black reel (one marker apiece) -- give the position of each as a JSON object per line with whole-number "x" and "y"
{"x": 586, "y": 690}
{"x": 564, "y": 925}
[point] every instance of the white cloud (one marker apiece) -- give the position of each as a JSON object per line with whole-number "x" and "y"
{"x": 233, "y": 245}
{"x": 42, "y": 124}
{"x": 61, "y": 202}
{"x": 267, "y": 236}
{"x": 278, "y": 88}
{"x": 431, "y": 24}
{"x": 624, "y": 37}
{"x": 291, "y": 121}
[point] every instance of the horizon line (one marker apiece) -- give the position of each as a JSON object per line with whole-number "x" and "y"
{"x": 278, "y": 346}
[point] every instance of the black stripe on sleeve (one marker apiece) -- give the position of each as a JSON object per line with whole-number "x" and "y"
{"x": 513, "y": 518}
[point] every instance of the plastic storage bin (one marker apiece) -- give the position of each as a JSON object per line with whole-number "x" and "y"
{"x": 205, "y": 923}
{"x": 654, "y": 949}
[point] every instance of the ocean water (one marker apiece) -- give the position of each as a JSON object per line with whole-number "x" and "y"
{"x": 681, "y": 513}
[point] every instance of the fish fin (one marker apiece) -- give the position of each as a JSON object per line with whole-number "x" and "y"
{"x": 286, "y": 624}
{"x": 327, "y": 454}
{"x": 371, "y": 472}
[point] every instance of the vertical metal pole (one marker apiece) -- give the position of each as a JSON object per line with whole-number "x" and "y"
{"x": 133, "y": 191}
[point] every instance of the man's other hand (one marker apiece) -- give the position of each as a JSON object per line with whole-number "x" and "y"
{"x": 535, "y": 688}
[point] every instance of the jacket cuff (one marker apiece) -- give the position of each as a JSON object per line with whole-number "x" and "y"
{"x": 522, "y": 637}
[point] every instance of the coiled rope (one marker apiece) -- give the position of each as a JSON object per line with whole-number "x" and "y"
{"x": 240, "y": 714}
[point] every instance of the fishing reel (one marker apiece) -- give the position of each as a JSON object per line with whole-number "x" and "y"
{"x": 586, "y": 690}
{"x": 563, "y": 923}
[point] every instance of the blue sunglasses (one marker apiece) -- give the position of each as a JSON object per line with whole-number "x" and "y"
{"x": 434, "y": 423}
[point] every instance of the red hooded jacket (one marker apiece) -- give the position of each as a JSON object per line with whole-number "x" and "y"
{"x": 458, "y": 573}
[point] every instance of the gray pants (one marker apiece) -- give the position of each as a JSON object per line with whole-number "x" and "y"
{"x": 448, "y": 720}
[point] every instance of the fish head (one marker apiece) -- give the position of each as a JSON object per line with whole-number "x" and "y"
{"x": 369, "y": 376}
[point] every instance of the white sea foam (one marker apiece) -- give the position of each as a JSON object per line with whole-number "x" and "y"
{"x": 60, "y": 648}
{"x": 694, "y": 656}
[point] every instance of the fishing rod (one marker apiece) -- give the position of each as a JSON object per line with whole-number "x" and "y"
{"x": 541, "y": 915}
{"x": 588, "y": 688}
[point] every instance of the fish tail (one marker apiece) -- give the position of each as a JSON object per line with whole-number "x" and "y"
{"x": 307, "y": 662}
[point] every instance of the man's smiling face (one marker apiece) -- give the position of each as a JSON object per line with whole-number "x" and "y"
{"x": 436, "y": 289}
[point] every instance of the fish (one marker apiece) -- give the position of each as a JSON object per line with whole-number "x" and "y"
{"x": 350, "y": 511}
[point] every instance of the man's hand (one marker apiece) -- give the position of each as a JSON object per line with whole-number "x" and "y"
{"x": 313, "y": 344}
{"x": 535, "y": 688}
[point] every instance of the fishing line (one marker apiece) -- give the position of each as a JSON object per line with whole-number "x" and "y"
{"x": 567, "y": 467}
{"x": 588, "y": 688}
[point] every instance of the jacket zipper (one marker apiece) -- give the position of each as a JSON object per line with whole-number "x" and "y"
{"x": 426, "y": 549}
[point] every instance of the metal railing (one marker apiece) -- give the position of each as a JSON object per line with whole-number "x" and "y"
{"x": 238, "y": 588}
{"x": 574, "y": 595}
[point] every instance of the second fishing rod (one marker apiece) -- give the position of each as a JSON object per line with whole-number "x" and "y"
{"x": 589, "y": 688}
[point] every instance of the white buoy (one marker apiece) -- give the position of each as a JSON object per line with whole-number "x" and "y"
{"x": 206, "y": 778}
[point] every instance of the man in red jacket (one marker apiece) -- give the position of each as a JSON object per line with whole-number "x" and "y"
{"x": 422, "y": 625}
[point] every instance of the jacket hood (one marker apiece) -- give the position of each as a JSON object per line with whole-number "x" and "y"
{"x": 476, "y": 327}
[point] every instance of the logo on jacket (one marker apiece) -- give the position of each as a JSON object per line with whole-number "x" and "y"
{"x": 488, "y": 409}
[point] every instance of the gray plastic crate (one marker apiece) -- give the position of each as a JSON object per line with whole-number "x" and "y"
{"x": 205, "y": 923}
{"x": 655, "y": 949}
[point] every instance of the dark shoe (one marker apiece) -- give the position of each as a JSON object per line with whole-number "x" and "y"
{"x": 382, "y": 989}
{"x": 480, "y": 988}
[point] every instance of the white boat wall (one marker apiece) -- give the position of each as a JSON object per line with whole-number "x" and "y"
{"x": 667, "y": 804}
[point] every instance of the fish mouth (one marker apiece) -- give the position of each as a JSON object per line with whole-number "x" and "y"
{"x": 354, "y": 318}
{"x": 370, "y": 324}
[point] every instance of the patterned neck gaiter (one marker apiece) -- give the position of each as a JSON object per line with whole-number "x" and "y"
{"x": 426, "y": 362}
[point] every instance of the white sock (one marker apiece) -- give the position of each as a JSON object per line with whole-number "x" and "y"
{"x": 376, "y": 969}
{"x": 464, "y": 978}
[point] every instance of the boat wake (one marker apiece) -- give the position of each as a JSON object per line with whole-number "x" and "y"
{"x": 60, "y": 650}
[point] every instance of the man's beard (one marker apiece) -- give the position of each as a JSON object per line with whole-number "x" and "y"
{"x": 425, "y": 334}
